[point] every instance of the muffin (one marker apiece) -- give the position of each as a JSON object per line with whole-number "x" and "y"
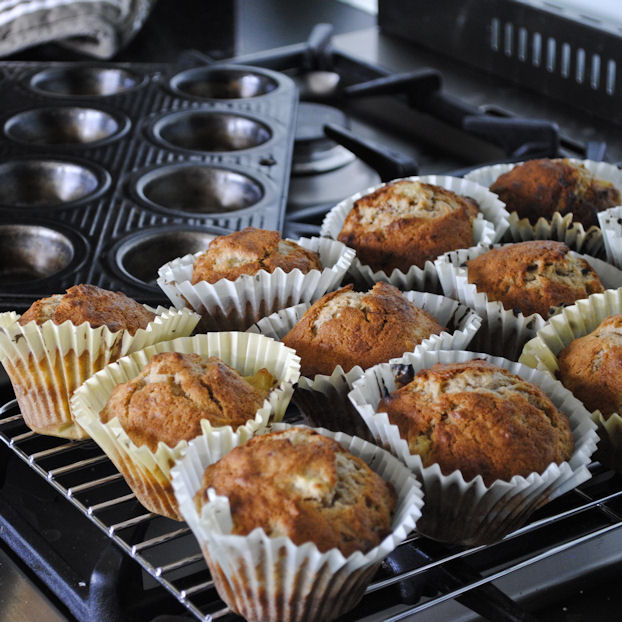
{"x": 249, "y": 251}
{"x": 175, "y": 391}
{"x": 62, "y": 340}
{"x": 407, "y": 223}
{"x": 479, "y": 419}
{"x": 533, "y": 277}
{"x": 349, "y": 328}
{"x": 305, "y": 486}
{"x": 539, "y": 188}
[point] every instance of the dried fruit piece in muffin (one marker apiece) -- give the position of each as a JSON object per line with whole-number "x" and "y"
{"x": 533, "y": 277}
{"x": 247, "y": 252}
{"x": 407, "y": 223}
{"x": 480, "y": 419}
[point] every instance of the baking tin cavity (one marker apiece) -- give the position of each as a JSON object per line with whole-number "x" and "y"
{"x": 207, "y": 130}
{"x": 85, "y": 81}
{"x": 49, "y": 182}
{"x": 66, "y": 126}
{"x": 137, "y": 257}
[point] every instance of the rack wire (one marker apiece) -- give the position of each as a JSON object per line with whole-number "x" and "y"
{"x": 168, "y": 552}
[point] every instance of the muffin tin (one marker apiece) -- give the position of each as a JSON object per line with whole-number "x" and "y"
{"x": 109, "y": 171}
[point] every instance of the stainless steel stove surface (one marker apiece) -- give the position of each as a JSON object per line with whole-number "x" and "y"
{"x": 67, "y": 514}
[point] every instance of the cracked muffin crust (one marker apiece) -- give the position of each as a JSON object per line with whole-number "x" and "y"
{"x": 533, "y": 277}
{"x": 169, "y": 398}
{"x": 480, "y": 419}
{"x": 300, "y": 484}
{"x": 590, "y": 367}
{"x": 247, "y": 252}
{"x": 407, "y": 223}
{"x": 89, "y": 303}
{"x": 539, "y": 188}
{"x": 351, "y": 328}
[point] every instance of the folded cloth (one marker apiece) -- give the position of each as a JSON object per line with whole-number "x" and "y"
{"x": 98, "y": 28}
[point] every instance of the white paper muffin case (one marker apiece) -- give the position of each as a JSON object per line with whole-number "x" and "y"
{"x": 47, "y": 363}
{"x": 271, "y": 579}
{"x": 235, "y": 305}
{"x": 323, "y": 400}
{"x": 147, "y": 472}
{"x": 472, "y": 513}
{"x": 610, "y": 221}
{"x": 573, "y": 322}
{"x": 560, "y": 228}
{"x": 488, "y": 228}
{"x": 504, "y": 332}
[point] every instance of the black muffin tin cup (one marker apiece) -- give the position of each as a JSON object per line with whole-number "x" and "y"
{"x": 111, "y": 170}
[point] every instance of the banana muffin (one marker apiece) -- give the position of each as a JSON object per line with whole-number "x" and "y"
{"x": 300, "y": 484}
{"x": 89, "y": 303}
{"x": 539, "y": 188}
{"x": 533, "y": 277}
{"x": 590, "y": 367}
{"x": 407, "y": 223}
{"x": 351, "y": 328}
{"x": 480, "y": 419}
{"x": 247, "y": 252}
{"x": 168, "y": 399}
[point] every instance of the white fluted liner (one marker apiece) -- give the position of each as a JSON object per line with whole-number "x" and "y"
{"x": 610, "y": 221}
{"x": 471, "y": 512}
{"x": 323, "y": 399}
{"x": 235, "y": 305}
{"x": 272, "y": 579}
{"x": 573, "y": 322}
{"x": 48, "y": 362}
{"x": 561, "y": 228}
{"x": 488, "y": 228}
{"x": 504, "y": 332}
{"x": 147, "y": 472}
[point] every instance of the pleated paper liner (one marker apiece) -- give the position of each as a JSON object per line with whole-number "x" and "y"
{"x": 560, "y": 228}
{"x": 147, "y": 472}
{"x": 488, "y": 228}
{"x": 504, "y": 332}
{"x": 573, "y": 322}
{"x": 323, "y": 399}
{"x": 610, "y": 221}
{"x": 47, "y": 363}
{"x": 272, "y": 579}
{"x": 472, "y": 513}
{"x": 235, "y": 305}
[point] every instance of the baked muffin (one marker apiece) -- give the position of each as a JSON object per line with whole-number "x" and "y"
{"x": 175, "y": 391}
{"x": 533, "y": 277}
{"x": 300, "y": 484}
{"x": 590, "y": 367}
{"x": 407, "y": 223}
{"x": 539, "y": 188}
{"x": 351, "y": 328}
{"x": 480, "y": 419}
{"x": 89, "y": 303}
{"x": 249, "y": 251}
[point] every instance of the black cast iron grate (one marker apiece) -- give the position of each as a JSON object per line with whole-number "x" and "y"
{"x": 420, "y": 575}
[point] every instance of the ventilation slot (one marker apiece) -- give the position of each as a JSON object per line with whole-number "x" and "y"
{"x": 509, "y": 39}
{"x": 494, "y": 34}
{"x": 551, "y": 47}
{"x": 595, "y": 72}
{"x": 611, "y": 77}
{"x": 565, "y": 61}
{"x": 536, "y": 49}
{"x": 580, "y": 69}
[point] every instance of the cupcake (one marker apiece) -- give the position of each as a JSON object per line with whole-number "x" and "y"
{"x": 251, "y": 273}
{"x": 62, "y": 340}
{"x": 143, "y": 409}
{"x": 492, "y": 440}
{"x": 294, "y": 523}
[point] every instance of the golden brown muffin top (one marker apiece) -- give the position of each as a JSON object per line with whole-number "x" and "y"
{"x": 407, "y": 223}
{"x": 249, "y": 251}
{"x": 539, "y": 188}
{"x": 351, "y": 328}
{"x": 300, "y": 484}
{"x": 480, "y": 419}
{"x": 591, "y": 367}
{"x": 169, "y": 398}
{"x": 89, "y": 303}
{"x": 533, "y": 277}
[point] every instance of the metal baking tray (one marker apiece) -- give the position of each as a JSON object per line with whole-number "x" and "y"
{"x": 109, "y": 171}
